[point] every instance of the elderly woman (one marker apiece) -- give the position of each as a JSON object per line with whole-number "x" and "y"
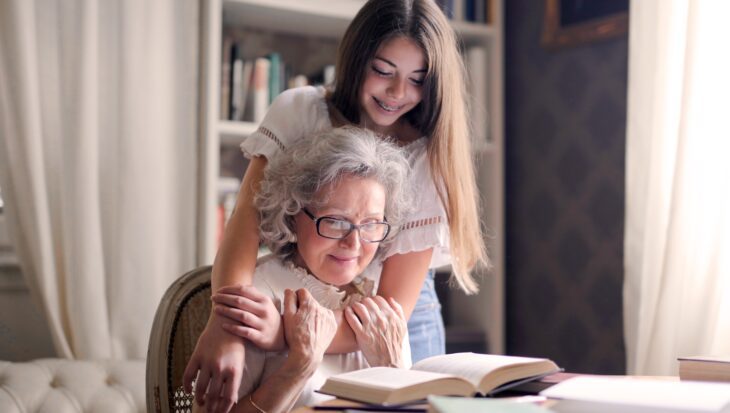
{"x": 326, "y": 207}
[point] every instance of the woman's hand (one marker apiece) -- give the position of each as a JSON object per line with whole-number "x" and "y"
{"x": 309, "y": 328}
{"x": 256, "y": 317}
{"x": 379, "y": 327}
{"x": 219, "y": 358}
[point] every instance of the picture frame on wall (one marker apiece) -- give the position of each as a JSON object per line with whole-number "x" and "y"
{"x": 570, "y": 23}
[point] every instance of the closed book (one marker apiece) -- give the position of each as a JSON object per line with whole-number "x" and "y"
{"x": 706, "y": 368}
{"x": 459, "y": 374}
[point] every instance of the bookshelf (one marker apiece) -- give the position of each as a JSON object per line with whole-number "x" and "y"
{"x": 324, "y": 19}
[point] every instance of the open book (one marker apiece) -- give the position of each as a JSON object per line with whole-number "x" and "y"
{"x": 705, "y": 368}
{"x": 459, "y": 374}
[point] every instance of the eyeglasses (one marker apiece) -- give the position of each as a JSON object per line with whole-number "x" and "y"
{"x": 335, "y": 228}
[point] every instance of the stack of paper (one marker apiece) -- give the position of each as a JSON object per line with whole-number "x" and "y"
{"x": 638, "y": 395}
{"x": 441, "y": 404}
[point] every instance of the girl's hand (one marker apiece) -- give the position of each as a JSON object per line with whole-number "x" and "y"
{"x": 256, "y": 317}
{"x": 379, "y": 328}
{"x": 309, "y": 328}
{"x": 217, "y": 362}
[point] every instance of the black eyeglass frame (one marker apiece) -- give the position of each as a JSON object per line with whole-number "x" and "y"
{"x": 353, "y": 227}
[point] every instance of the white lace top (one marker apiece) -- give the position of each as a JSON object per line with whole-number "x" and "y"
{"x": 300, "y": 112}
{"x": 272, "y": 277}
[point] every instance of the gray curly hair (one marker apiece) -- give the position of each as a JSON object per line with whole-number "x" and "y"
{"x": 292, "y": 179}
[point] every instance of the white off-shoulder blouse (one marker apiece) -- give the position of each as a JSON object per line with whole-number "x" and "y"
{"x": 301, "y": 112}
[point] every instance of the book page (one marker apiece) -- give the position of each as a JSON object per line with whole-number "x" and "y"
{"x": 387, "y": 377}
{"x": 471, "y": 366}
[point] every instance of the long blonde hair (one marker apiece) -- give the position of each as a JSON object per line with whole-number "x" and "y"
{"x": 441, "y": 115}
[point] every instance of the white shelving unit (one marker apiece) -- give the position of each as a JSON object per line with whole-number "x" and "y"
{"x": 329, "y": 19}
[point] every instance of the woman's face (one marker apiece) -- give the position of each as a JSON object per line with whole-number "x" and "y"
{"x": 337, "y": 262}
{"x": 393, "y": 84}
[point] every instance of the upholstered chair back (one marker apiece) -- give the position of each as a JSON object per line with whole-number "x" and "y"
{"x": 180, "y": 318}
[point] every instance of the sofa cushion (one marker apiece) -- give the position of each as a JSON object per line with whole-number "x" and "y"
{"x": 60, "y": 385}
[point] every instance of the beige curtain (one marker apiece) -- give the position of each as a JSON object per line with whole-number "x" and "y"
{"x": 97, "y": 161}
{"x": 677, "y": 245}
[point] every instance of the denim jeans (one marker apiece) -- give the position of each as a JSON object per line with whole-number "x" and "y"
{"x": 426, "y": 325}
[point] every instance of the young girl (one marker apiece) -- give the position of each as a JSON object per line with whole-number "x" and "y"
{"x": 398, "y": 73}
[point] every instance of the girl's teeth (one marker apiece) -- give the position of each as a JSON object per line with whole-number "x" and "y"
{"x": 386, "y": 107}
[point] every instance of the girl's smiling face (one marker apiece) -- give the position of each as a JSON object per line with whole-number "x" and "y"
{"x": 338, "y": 262}
{"x": 392, "y": 85}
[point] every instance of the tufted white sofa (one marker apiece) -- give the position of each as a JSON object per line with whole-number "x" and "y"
{"x": 59, "y": 386}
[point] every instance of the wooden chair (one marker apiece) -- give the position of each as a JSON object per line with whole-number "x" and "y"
{"x": 180, "y": 318}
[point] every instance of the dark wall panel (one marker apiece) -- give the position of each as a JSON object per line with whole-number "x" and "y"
{"x": 565, "y": 143}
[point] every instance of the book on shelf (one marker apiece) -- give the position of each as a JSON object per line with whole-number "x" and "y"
{"x": 225, "y": 97}
{"x": 458, "y": 374}
{"x": 458, "y": 10}
{"x": 475, "y": 11}
{"x": 480, "y": 11}
{"x": 235, "y": 79}
{"x": 447, "y": 6}
{"x": 260, "y": 89}
{"x": 246, "y": 86}
{"x": 476, "y": 58}
{"x": 625, "y": 394}
{"x": 469, "y": 10}
{"x": 252, "y": 77}
{"x": 241, "y": 83}
{"x": 276, "y": 69}
{"x": 705, "y": 368}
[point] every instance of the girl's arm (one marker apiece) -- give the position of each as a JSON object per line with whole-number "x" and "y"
{"x": 402, "y": 279}
{"x": 218, "y": 358}
{"x": 309, "y": 328}
{"x": 236, "y": 258}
